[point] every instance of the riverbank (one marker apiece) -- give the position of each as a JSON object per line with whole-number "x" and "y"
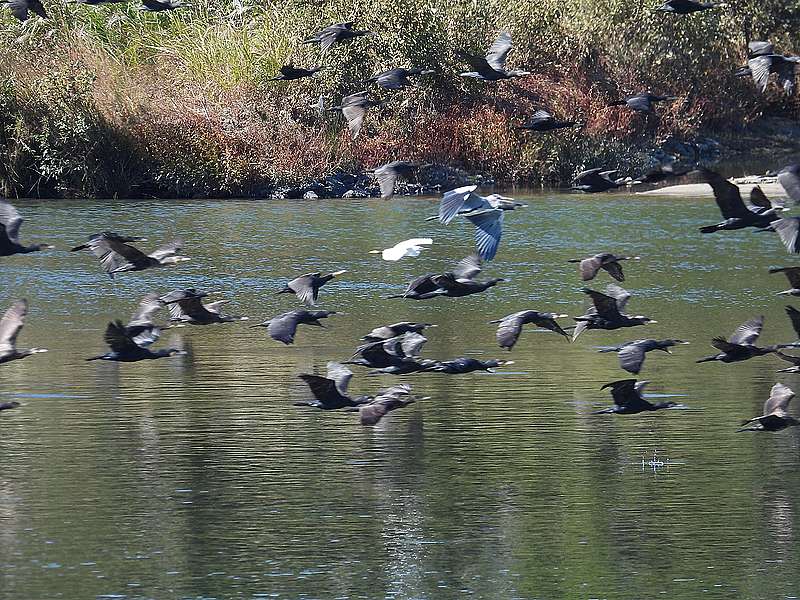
{"x": 111, "y": 102}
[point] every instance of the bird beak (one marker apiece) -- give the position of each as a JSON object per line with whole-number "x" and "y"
{"x": 652, "y": 321}
{"x": 335, "y": 273}
{"x": 667, "y": 350}
{"x": 561, "y": 316}
{"x": 264, "y": 324}
{"x": 508, "y": 362}
{"x": 375, "y": 251}
{"x": 636, "y": 258}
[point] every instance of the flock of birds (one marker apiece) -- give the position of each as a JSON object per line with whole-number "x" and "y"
{"x": 395, "y": 349}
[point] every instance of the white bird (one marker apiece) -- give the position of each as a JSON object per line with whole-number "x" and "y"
{"x": 410, "y": 247}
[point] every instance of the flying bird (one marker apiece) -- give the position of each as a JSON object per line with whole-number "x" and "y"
{"x": 628, "y": 399}
{"x": 632, "y": 354}
{"x": 125, "y": 239}
{"x": 510, "y": 326}
{"x": 125, "y": 349}
{"x": 492, "y": 67}
{"x": 606, "y": 261}
{"x": 159, "y": 5}
{"x": 290, "y": 72}
{"x": 542, "y": 120}
{"x": 642, "y": 102}
{"x": 411, "y": 248}
{"x": 283, "y": 327}
{"x": 737, "y": 215}
{"x": 685, "y": 7}
{"x": 398, "y": 351}
{"x": 397, "y": 79}
{"x": 741, "y": 345}
{"x": 389, "y": 331}
{"x": 462, "y": 365}
{"x": 597, "y": 180}
{"x": 793, "y": 275}
{"x": 186, "y": 306}
{"x": 486, "y": 213}
{"x": 354, "y": 109}
{"x": 460, "y": 281}
{"x": 141, "y": 328}
{"x": 336, "y": 33}
{"x": 764, "y": 65}
{"x": 606, "y": 312}
{"x": 776, "y": 415}
{"x": 118, "y": 257}
{"x": 388, "y": 174}
{"x": 306, "y": 287}
{"x": 10, "y": 222}
{"x": 10, "y": 325}
{"x": 393, "y": 398}
{"x": 9, "y": 405}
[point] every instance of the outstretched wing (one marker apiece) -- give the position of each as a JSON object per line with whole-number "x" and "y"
{"x": 509, "y": 330}
{"x": 147, "y": 308}
{"x": 283, "y": 327}
{"x": 118, "y": 339}
{"x": 489, "y": 230}
{"x": 10, "y": 325}
{"x": 463, "y": 198}
{"x": 787, "y": 229}
{"x": 468, "y": 267}
{"x": 631, "y": 358}
{"x": 778, "y": 400}
{"x": 340, "y": 375}
{"x": 789, "y": 178}
{"x": 747, "y": 333}
{"x": 498, "y": 51}
{"x": 726, "y": 194}
{"x": 11, "y": 220}
{"x": 606, "y": 306}
{"x": 794, "y": 317}
{"x": 168, "y": 249}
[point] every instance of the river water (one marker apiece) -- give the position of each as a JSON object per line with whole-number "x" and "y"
{"x": 195, "y": 476}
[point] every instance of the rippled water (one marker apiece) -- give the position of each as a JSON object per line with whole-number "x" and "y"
{"x": 195, "y": 477}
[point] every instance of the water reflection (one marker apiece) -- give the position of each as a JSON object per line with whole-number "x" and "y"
{"x": 195, "y": 477}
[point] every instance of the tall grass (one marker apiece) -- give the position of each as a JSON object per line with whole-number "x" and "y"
{"x": 111, "y": 100}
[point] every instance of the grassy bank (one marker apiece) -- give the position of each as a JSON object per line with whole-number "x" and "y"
{"x": 111, "y": 101}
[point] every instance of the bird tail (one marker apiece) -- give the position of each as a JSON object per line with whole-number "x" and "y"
{"x": 616, "y": 103}
{"x": 709, "y": 229}
{"x": 433, "y": 218}
{"x": 98, "y": 357}
{"x": 706, "y": 359}
{"x": 755, "y": 428}
{"x": 605, "y": 411}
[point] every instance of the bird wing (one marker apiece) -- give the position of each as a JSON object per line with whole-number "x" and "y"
{"x": 128, "y": 253}
{"x": 147, "y": 308}
{"x": 639, "y": 102}
{"x": 760, "y": 67}
{"x": 498, "y": 51}
{"x": 458, "y": 199}
{"x": 354, "y": 115}
{"x": 421, "y": 285}
{"x": 758, "y": 198}
{"x": 606, "y": 306}
{"x": 723, "y": 345}
{"x": 393, "y": 79}
{"x": 789, "y": 178}
{"x": 787, "y": 229}
{"x": 340, "y": 375}
{"x": 411, "y": 343}
{"x": 794, "y": 317}
{"x": 11, "y": 220}
{"x": 193, "y": 307}
{"x": 468, "y": 267}
{"x": 489, "y": 230}
{"x": 303, "y": 288}
{"x": 118, "y": 339}
{"x": 479, "y": 63}
{"x": 322, "y": 388}
{"x": 168, "y": 249}
{"x": 614, "y": 269}
{"x": 590, "y": 267}
{"x": 386, "y": 401}
{"x": 758, "y": 48}
{"x": 627, "y": 393}
{"x": 621, "y": 295}
{"x": 449, "y": 282}
{"x": 727, "y": 196}
{"x": 509, "y": 330}
{"x": 10, "y": 324}
{"x": 540, "y": 116}
{"x": 778, "y": 400}
{"x": 215, "y": 307}
{"x": 283, "y": 327}
{"x": 785, "y": 70}
{"x": 747, "y": 333}
{"x": 631, "y": 358}
{"x": 36, "y": 7}
{"x": 792, "y": 274}
{"x": 387, "y": 177}
{"x": 327, "y": 37}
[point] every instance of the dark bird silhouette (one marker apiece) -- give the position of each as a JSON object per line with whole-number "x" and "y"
{"x": 458, "y": 282}
{"x": 737, "y": 215}
{"x": 141, "y": 328}
{"x": 397, "y": 79}
{"x": 118, "y": 257}
{"x": 124, "y": 349}
{"x": 186, "y": 306}
{"x": 290, "y": 72}
{"x": 10, "y": 325}
{"x": 159, "y": 5}
{"x": 393, "y": 398}
{"x": 9, "y": 405}
{"x": 628, "y": 399}
{"x": 21, "y": 9}
{"x": 542, "y": 120}
{"x": 606, "y": 261}
{"x": 354, "y": 109}
{"x": 607, "y": 312}
{"x": 334, "y": 34}
{"x": 306, "y": 287}
{"x": 776, "y": 414}
{"x": 388, "y": 174}
{"x": 486, "y": 213}
{"x": 795, "y": 360}
{"x": 95, "y": 3}
{"x": 793, "y": 275}
{"x": 794, "y": 318}
{"x": 492, "y": 67}
{"x": 597, "y": 180}
{"x": 462, "y": 365}
{"x": 283, "y": 327}
{"x": 660, "y": 173}
{"x": 642, "y": 102}
{"x": 389, "y": 331}
{"x": 10, "y": 222}
{"x": 107, "y": 234}
{"x": 632, "y": 354}
{"x": 740, "y": 346}
{"x": 330, "y": 393}
{"x": 685, "y": 7}
{"x": 510, "y": 326}
{"x": 398, "y": 351}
